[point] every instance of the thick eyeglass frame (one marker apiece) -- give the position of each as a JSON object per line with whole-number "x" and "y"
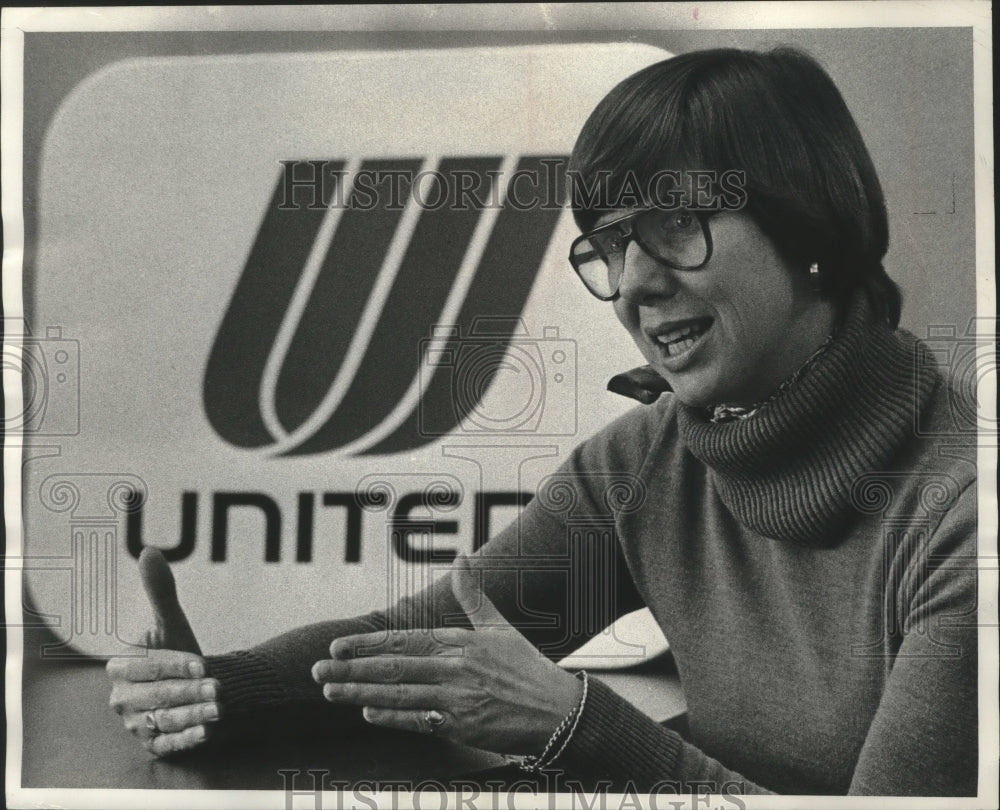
{"x": 632, "y": 235}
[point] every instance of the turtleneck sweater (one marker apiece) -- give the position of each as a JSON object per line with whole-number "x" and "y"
{"x": 812, "y": 567}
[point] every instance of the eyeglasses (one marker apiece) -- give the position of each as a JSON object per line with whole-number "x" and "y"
{"x": 678, "y": 238}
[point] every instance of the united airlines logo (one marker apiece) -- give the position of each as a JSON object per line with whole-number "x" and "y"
{"x": 379, "y": 301}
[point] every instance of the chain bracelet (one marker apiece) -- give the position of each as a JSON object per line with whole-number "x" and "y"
{"x": 572, "y": 730}
{"x": 531, "y": 763}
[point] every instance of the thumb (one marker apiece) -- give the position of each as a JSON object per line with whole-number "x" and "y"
{"x": 172, "y": 631}
{"x": 466, "y": 585}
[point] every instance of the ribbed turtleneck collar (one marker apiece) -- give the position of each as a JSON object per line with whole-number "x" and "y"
{"x": 787, "y": 472}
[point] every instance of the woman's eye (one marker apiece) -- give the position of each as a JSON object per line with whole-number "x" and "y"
{"x": 675, "y": 223}
{"x": 615, "y": 244}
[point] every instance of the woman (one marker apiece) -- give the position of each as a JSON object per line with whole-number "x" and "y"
{"x": 790, "y": 531}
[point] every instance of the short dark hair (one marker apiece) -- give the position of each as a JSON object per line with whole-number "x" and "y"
{"x": 810, "y": 183}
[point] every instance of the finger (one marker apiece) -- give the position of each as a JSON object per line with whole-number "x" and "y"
{"x": 142, "y": 697}
{"x": 434, "y": 641}
{"x": 467, "y": 586}
{"x": 155, "y": 667}
{"x": 384, "y": 695}
{"x": 406, "y": 720}
{"x": 138, "y": 723}
{"x": 179, "y": 718}
{"x": 173, "y": 629}
{"x": 146, "y": 725}
{"x": 165, "y": 744}
{"x": 386, "y": 669}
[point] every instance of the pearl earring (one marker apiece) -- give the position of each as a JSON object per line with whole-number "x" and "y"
{"x": 814, "y": 277}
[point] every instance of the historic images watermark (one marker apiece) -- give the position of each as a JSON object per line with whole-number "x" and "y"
{"x": 330, "y": 183}
{"x": 539, "y": 395}
{"x": 49, "y": 367}
{"x": 967, "y": 356}
{"x": 312, "y": 790}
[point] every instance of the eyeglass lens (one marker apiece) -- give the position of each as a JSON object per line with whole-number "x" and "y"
{"x": 676, "y": 238}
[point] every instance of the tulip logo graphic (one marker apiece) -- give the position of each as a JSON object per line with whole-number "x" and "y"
{"x": 324, "y": 341}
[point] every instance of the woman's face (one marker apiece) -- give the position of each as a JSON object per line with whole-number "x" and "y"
{"x": 731, "y": 331}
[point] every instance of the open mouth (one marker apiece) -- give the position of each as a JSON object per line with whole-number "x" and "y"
{"x": 679, "y": 340}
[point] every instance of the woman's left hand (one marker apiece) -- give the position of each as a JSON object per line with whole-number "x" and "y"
{"x": 490, "y": 686}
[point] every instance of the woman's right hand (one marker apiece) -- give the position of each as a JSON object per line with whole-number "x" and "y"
{"x": 164, "y": 697}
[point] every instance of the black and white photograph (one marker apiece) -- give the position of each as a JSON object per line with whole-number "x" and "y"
{"x": 500, "y": 406}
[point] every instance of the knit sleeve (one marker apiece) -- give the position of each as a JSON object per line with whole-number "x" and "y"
{"x": 922, "y": 740}
{"x": 270, "y": 686}
{"x": 617, "y": 744}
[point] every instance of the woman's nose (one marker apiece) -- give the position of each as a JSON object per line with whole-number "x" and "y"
{"x": 644, "y": 279}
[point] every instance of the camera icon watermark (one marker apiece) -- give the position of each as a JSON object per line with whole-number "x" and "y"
{"x": 49, "y": 368}
{"x": 92, "y": 506}
{"x": 969, "y": 361}
{"x": 492, "y": 382}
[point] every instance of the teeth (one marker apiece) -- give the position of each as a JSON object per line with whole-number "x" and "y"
{"x": 680, "y": 346}
{"x": 676, "y": 335}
